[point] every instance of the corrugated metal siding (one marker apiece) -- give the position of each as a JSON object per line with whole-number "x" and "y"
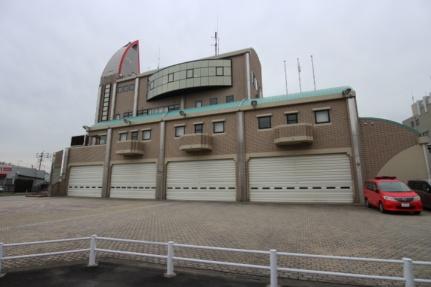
{"x": 85, "y": 181}
{"x": 318, "y": 178}
{"x": 201, "y": 180}
{"x": 134, "y": 181}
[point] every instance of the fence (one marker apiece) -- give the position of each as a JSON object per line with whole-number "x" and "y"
{"x": 273, "y": 268}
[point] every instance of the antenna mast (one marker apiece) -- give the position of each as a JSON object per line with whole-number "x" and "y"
{"x": 285, "y": 76}
{"x": 314, "y": 75}
{"x": 41, "y": 156}
{"x": 299, "y": 75}
{"x": 216, "y": 41}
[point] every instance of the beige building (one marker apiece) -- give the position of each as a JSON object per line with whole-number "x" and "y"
{"x": 201, "y": 130}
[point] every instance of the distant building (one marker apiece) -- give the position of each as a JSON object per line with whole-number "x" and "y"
{"x": 15, "y": 178}
{"x": 421, "y": 118}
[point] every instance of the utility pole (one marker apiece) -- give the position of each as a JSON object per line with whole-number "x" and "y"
{"x": 40, "y": 156}
{"x": 285, "y": 76}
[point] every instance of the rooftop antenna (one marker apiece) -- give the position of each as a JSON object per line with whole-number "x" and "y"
{"x": 285, "y": 77}
{"x": 299, "y": 75}
{"x": 314, "y": 75}
{"x": 158, "y": 60}
{"x": 216, "y": 41}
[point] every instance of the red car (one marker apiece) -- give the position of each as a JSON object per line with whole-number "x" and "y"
{"x": 387, "y": 193}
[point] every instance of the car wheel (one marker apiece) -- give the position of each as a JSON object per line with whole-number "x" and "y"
{"x": 367, "y": 203}
{"x": 381, "y": 208}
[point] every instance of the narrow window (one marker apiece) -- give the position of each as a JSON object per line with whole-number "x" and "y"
{"x": 179, "y": 131}
{"x": 146, "y": 135}
{"x": 218, "y": 127}
{"x": 134, "y": 136}
{"x": 322, "y": 117}
{"x": 264, "y": 122}
{"x": 219, "y": 71}
{"x": 170, "y": 77}
{"x": 198, "y": 104}
{"x": 213, "y": 101}
{"x": 152, "y": 85}
{"x": 123, "y": 137}
{"x": 230, "y": 99}
{"x": 189, "y": 73}
{"x": 292, "y": 118}
{"x": 417, "y": 122}
{"x": 199, "y": 128}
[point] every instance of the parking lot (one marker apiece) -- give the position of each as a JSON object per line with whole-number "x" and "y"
{"x": 318, "y": 229}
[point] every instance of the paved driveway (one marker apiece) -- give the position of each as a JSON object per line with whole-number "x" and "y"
{"x": 317, "y": 229}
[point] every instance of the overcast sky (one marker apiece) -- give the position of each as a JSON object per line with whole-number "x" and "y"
{"x": 52, "y": 54}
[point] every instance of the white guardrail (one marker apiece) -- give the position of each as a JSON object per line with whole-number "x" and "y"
{"x": 407, "y": 278}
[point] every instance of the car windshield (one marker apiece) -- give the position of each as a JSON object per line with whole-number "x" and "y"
{"x": 393, "y": 186}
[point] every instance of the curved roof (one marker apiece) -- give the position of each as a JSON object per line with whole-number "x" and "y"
{"x": 124, "y": 62}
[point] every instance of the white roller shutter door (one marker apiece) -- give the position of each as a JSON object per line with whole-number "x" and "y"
{"x": 202, "y": 180}
{"x": 133, "y": 181}
{"x": 316, "y": 178}
{"x": 85, "y": 181}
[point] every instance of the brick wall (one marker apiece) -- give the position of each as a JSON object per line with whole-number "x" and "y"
{"x": 380, "y": 141}
{"x": 94, "y": 153}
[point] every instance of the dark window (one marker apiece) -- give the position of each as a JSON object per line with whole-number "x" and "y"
{"x": 170, "y": 77}
{"x": 264, "y": 122}
{"x": 179, "y": 131}
{"x": 412, "y": 124}
{"x": 146, "y": 135}
{"x": 219, "y": 71}
{"x": 198, "y": 104}
{"x": 199, "y": 128}
{"x": 230, "y": 99}
{"x": 123, "y": 136}
{"x": 142, "y": 112}
{"x": 213, "y": 101}
{"x": 322, "y": 117}
{"x": 218, "y": 127}
{"x": 417, "y": 122}
{"x": 173, "y": 107}
{"x": 189, "y": 73}
{"x": 134, "y": 135}
{"x": 292, "y": 118}
{"x": 127, "y": 114}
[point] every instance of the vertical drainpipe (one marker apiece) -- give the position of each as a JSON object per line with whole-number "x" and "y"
{"x": 247, "y": 76}
{"x": 160, "y": 176}
{"x": 99, "y": 95}
{"x": 113, "y": 100}
{"x": 354, "y": 127}
{"x": 107, "y": 165}
{"x": 242, "y": 194}
{"x": 135, "y": 98}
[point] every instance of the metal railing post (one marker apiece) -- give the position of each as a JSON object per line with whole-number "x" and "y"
{"x": 1, "y": 259}
{"x": 170, "y": 261}
{"x": 408, "y": 272}
{"x": 273, "y": 268}
{"x": 92, "y": 256}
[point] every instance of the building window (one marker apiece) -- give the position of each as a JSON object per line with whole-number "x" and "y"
{"x": 152, "y": 85}
{"x": 117, "y": 116}
{"x": 127, "y": 114}
{"x": 170, "y": 77}
{"x": 199, "y": 128}
{"x": 123, "y": 137}
{"x": 322, "y": 117}
{"x": 213, "y": 101}
{"x": 180, "y": 131}
{"x": 292, "y": 118}
{"x": 230, "y": 99}
{"x": 189, "y": 73}
{"x": 412, "y": 124}
{"x": 218, "y": 127}
{"x": 198, "y": 104}
{"x": 102, "y": 139}
{"x": 134, "y": 136}
{"x": 417, "y": 122}
{"x": 146, "y": 135}
{"x": 219, "y": 71}
{"x": 264, "y": 122}
{"x": 173, "y": 108}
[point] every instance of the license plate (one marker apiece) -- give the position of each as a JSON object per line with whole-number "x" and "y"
{"x": 405, "y": 204}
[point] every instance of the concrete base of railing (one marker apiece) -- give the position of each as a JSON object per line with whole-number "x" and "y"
{"x": 166, "y": 275}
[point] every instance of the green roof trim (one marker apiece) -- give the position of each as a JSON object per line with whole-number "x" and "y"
{"x": 225, "y": 106}
{"x": 391, "y": 122}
